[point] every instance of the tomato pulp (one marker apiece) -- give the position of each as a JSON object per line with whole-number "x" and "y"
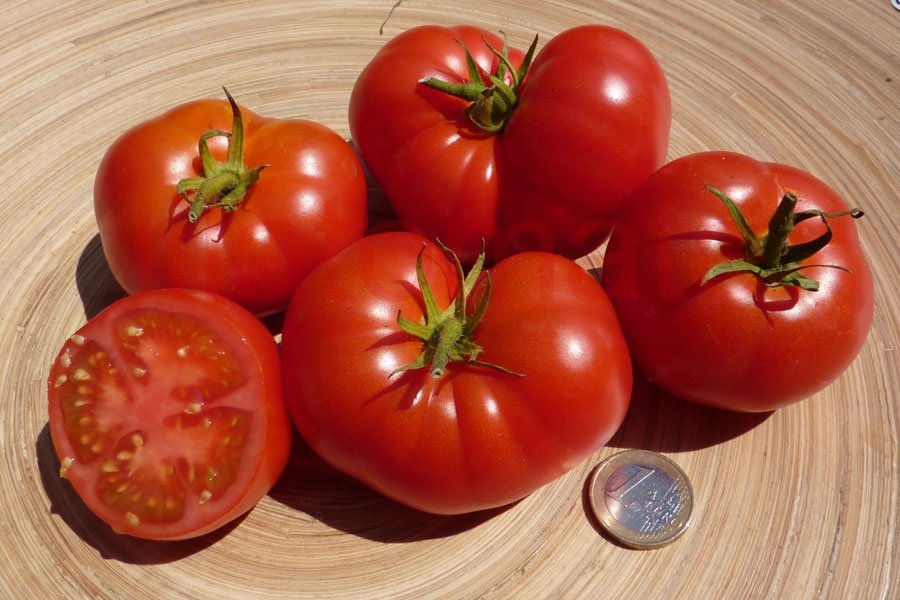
{"x": 167, "y": 415}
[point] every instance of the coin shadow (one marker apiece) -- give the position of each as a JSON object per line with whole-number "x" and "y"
{"x": 65, "y": 503}
{"x": 659, "y": 421}
{"x": 315, "y": 488}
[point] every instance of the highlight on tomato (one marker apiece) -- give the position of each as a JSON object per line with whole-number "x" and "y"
{"x": 738, "y": 283}
{"x": 167, "y": 415}
{"x": 481, "y": 145}
{"x": 447, "y": 391}
{"x": 211, "y": 196}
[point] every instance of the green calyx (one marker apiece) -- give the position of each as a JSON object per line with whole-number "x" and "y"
{"x": 447, "y": 334}
{"x": 492, "y": 103}
{"x": 772, "y": 257}
{"x": 222, "y": 184}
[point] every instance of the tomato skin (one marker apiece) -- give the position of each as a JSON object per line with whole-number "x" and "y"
{"x": 734, "y": 343}
{"x": 306, "y": 206}
{"x": 174, "y": 395}
{"x": 475, "y": 438}
{"x": 592, "y": 122}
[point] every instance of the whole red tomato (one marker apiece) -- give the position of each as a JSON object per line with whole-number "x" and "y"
{"x": 245, "y": 216}
{"x": 523, "y": 155}
{"x": 739, "y": 284}
{"x": 167, "y": 414}
{"x": 446, "y": 402}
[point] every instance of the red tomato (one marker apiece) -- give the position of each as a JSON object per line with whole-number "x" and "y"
{"x": 740, "y": 340}
{"x": 542, "y": 381}
{"x": 258, "y": 232}
{"x": 167, "y": 415}
{"x": 590, "y": 121}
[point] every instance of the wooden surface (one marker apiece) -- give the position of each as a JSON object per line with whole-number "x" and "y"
{"x": 801, "y": 504}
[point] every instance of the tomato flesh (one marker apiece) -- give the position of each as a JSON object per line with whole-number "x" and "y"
{"x": 165, "y": 415}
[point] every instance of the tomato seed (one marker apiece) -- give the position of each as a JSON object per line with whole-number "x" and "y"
{"x": 64, "y": 466}
{"x": 132, "y": 519}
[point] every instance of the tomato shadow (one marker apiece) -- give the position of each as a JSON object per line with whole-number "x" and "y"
{"x": 659, "y": 421}
{"x": 65, "y": 503}
{"x": 312, "y": 486}
{"x": 96, "y": 284}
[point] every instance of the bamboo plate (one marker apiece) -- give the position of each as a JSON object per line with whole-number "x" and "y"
{"x": 802, "y": 503}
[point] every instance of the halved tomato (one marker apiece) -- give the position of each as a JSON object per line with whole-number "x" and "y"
{"x": 167, "y": 415}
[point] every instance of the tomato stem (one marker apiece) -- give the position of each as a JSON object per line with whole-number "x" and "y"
{"x": 447, "y": 334}
{"x": 492, "y": 105}
{"x": 773, "y": 258}
{"x": 222, "y": 184}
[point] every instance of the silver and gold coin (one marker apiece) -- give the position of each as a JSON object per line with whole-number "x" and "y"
{"x": 641, "y": 498}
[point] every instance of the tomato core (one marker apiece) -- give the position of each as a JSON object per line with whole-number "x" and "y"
{"x": 772, "y": 257}
{"x": 447, "y": 334}
{"x": 491, "y": 105}
{"x": 222, "y": 184}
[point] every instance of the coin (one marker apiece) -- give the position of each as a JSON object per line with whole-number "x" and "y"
{"x": 641, "y": 498}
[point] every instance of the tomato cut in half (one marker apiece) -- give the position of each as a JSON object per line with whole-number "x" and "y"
{"x": 167, "y": 415}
